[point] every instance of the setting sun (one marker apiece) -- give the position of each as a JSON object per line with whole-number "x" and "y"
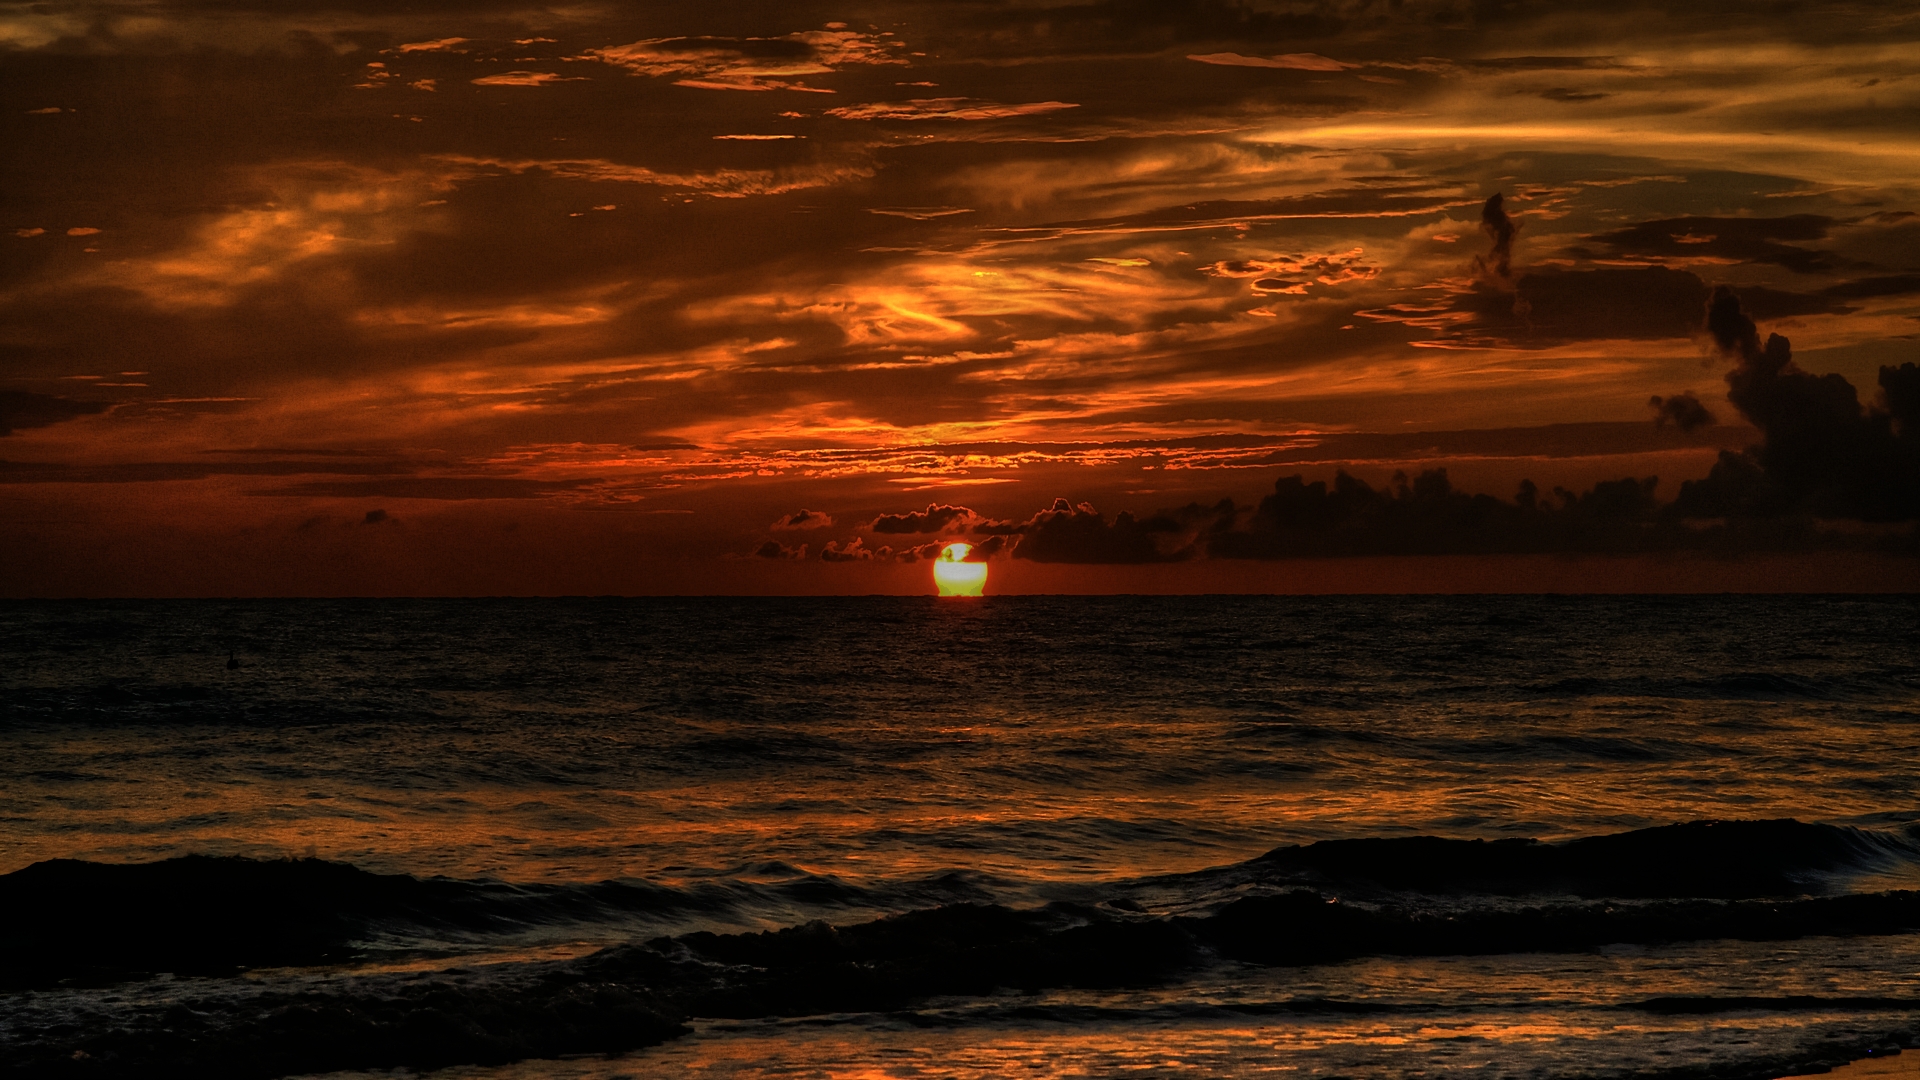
{"x": 957, "y": 577}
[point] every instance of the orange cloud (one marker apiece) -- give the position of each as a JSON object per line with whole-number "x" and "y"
{"x": 524, "y": 78}
{"x": 751, "y": 63}
{"x": 952, "y": 108}
{"x": 448, "y": 44}
{"x": 1291, "y": 61}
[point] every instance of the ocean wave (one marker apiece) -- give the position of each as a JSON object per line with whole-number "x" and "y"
{"x": 68, "y": 920}
{"x": 1707, "y": 859}
{"x": 633, "y": 995}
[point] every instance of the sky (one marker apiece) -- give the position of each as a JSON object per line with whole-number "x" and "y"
{"x": 358, "y": 298}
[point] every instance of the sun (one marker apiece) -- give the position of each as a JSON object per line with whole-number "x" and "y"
{"x": 957, "y": 577}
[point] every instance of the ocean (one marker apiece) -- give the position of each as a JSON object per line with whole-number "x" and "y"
{"x": 1043, "y": 837}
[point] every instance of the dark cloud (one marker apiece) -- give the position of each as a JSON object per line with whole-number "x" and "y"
{"x": 1747, "y": 240}
{"x": 1638, "y": 303}
{"x": 433, "y": 487}
{"x": 854, "y": 550}
{"x": 805, "y": 519}
{"x": 19, "y": 410}
{"x": 990, "y": 548}
{"x": 1683, "y": 411}
{"x": 1501, "y": 229}
{"x": 1066, "y": 533}
{"x": 1551, "y": 441}
{"x": 38, "y": 472}
{"x": 1867, "y": 288}
{"x": 1400, "y": 199}
{"x": 378, "y": 517}
{"x": 925, "y": 552}
{"x": 1076, "y": 25}
{"x": 935, "y": 518}
{"x": 1428, "y": 516}
{"x": 1822, "y": 453}
{"x": 774, "y": 549}
{"x": 1535, "y": 63}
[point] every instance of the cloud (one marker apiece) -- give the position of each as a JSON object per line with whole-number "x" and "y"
{"x": 935, "y": 518}
{"x": 922, "y": 553}
{"x": 453, "y": 488}
{"x": 854, "y": 550}
{"x": 948, "y": 108}
{"x": 1823, "y": 453}
{"x": 1501, "y": 229}
{"x": 379, "y": 517}
{"x": 751, "y": 63}
{"x": 805, "y": 519}
{"x": 1428, "y": 516}
{"x": 1291, "y": 274}
{"x": 521, "y": 78}
{"x": 1868, "y": 288}
{"x": 1722, "y": 239}
{"x": 918, "y": 213}
{"x": 774, "y": 549}
{"x": 721, "y": 183}
{"x": 449, "y": 45}
{"x": 1684, "y": 411}
{"x": 1293, "y": 61}
{"x": 20, "y": 410}
{"x": 142, "y": 472}
{"x": 1066, "y": 533}
{"x": 1553, "y": 305}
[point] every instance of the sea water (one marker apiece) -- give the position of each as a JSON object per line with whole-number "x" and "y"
{"x": 1034, "y": 836}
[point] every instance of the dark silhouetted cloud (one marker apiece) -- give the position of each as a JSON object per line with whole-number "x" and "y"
{"x": 434, "y": 487}
{"x": 1066, "y": 533}
{"x": 774, "y": 549}
{"x": 1683, "y": 411}
{"x": 854, "y": 550}
{"x": 1552, "y": 306}
{"x": 1748, "y": 240}
{"x": 1867, "y": 288}
{"x": 1501, "y": 229}
{"x": 805, "y": 519}
{"x": 1822, "y": 453}
{"x": 1428, "y": 516}
{"x": 20, "y": 409}
{"x": 935, "y": 518}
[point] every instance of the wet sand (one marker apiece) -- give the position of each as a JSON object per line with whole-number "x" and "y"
{"x": 1879, "y": 1065}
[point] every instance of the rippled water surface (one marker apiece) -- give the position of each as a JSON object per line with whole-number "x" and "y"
{"x": 514, "y": 786}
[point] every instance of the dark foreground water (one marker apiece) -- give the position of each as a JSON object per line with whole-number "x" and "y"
{"x": 1036, "y": 837}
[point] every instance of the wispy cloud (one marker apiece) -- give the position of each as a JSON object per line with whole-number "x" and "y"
{"x": 525, "y": 78}
{"x": 1289, "y": 61}
{"x": 752, "y": 63}
{"x": 950, "y": 108}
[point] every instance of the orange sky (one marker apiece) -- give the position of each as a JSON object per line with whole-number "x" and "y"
{"x": 498, "y": 298}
